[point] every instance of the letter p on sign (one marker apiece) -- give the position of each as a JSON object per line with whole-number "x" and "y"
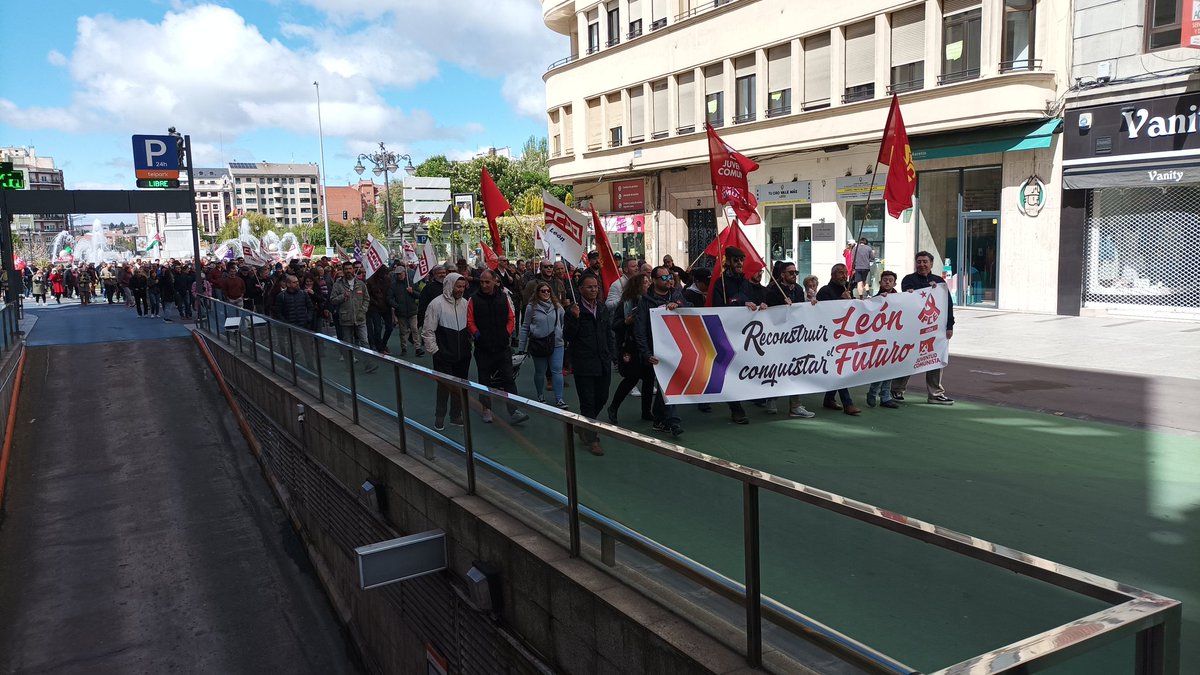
{"x": 154, "y": 157}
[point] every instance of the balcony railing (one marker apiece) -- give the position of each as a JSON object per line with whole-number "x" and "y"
{"x": 700, "y": 9}
{"x": 901, "y": 87}
{"x": 860, "y": 92}
{"x": 779, "y": 112}
{"x": 682, "y": 131}
{"x": 659, "y": 134}
{"x": 816, "y": 104}
{"x": 743, "y": 118}
{"x": 563, "y": 62}
{"x": 1020, "y": 65}
{"x": 614, "y": 41}
{"x": 960, "y": 76}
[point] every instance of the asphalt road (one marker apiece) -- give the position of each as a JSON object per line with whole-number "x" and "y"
{"x": 138, "y": 535}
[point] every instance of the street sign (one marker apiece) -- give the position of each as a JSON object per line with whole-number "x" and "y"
{"x": 157, "y": 183}
{"x": 398, "y": 559}
{"x": 10, "y": 178}
{"x": 155, "y": 157}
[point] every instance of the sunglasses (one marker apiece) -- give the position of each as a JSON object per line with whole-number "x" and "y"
{"x": 666, "y": 277}
{"x": 545, "y": 290}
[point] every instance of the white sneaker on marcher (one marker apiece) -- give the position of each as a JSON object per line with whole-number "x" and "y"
{"x": 635, "y": 393}
{"x": 800, "y": 411}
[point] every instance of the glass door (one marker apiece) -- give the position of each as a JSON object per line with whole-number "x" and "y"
{"x": 981, "y": 243}
{"x": 803, "y": 256}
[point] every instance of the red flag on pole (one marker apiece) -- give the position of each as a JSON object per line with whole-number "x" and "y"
{"x": 730, "y": 171}
{"x": 608, "y": 264}
{"x": 736, "y": 237}
{"x": 494, "y": 205}
{"x": 489, "y": 257}
{"x": 896, "y": 153}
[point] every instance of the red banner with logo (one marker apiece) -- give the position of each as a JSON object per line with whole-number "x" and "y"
{"x": 896, "y": 153}
{"x": 730, "y": 177}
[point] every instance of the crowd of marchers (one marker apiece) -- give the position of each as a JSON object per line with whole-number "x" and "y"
{"x": 557, "y": 318}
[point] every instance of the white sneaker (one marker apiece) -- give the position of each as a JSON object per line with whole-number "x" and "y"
{"x": 800, "y": 411}
{"x": 635, "y": 392}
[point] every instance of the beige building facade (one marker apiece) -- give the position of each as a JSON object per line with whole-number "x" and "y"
{"x": 40, "y": 174}
{"x": 806, "y": 95}
{"x": 289, "y": 193}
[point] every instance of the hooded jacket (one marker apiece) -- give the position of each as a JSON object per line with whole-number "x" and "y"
{"x": 445, "y": 330}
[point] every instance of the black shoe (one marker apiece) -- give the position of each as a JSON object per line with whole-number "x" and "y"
{"x": 889, "y": 404}
{"x": 439, "y": 424}
{"x": 897, "y": 396}
{"x": 612, "y": 415}
{"x": 677, "y": 431}
{"x": 456, "y": 421}
{"x": 420, "y": 352}
{"x": 941, "y": 399}
{"x": 740, "y": 419}
{"x": 661, "y": 426}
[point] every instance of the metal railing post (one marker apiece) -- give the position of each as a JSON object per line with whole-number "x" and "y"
{"x": 1157, "y": 647}
{"x": 291, "y": 333}
{"x": 572, "y": 489}
{"x": 253, "y": 337}
{"x": 353, "y": 386}
{"x": 400, "y": 410}
{"x": 467, "y": 443}
{"x": 753, "y": 576}
{"x": 271, "y": 344}
{"x": 320, "y": 370}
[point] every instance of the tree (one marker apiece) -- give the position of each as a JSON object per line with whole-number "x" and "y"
{"x": 259, "y": 224}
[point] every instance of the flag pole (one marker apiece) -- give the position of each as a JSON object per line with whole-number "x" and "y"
{"x": 867, "y": 207}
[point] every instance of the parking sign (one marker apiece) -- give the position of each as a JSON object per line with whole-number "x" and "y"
{"x": 155, "y": 157}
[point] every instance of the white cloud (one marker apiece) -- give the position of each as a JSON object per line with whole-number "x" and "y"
{"x": 222, "y": 77}
{"x": 56, "y": 58}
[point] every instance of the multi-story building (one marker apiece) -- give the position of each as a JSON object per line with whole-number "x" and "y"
{"x": 1131, "y": 176}
{"x": 40, "y": 174}
{"x": 804, "y": 90}
{"x": 289, "y": 193}
{"x": 346, "y": 203}
{"x": 214, "y": 198}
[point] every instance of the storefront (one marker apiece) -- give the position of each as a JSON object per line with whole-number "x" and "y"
{"x": 786, "y": 210}
{"x": 1131, "y": 175}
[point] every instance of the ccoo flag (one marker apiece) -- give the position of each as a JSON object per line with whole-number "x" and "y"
{"x": 896, "y": 153}
{"x": 565, "y": 228}
{"x": 730, "y": 173}
{"x": 494, "y": 206}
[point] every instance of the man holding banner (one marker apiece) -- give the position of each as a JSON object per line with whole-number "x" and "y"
{"x": 925, "y": 278}
{"x": 662, "y": 295}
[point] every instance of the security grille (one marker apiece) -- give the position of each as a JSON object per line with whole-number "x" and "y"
{"x": 1142, "y": 248}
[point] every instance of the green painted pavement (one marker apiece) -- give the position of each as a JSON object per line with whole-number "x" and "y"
{"x": 1114, "y": 501}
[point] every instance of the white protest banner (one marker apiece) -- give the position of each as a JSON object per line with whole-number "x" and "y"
{"x": 252, "y": 256}
{"x": 374, "y": 257}
{"x": 565, "y": 228}
{"x": 426, "y": 262}
{"x": 736, "y": 354}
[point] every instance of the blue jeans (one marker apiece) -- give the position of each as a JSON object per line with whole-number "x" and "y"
{"x": 881, "y": 389}
{"x": 554, "y": 363}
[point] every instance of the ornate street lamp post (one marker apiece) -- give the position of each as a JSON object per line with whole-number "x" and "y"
{"x": 385, "y": 162}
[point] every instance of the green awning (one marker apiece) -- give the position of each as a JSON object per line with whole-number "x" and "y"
{"x": 1028, "y": 136}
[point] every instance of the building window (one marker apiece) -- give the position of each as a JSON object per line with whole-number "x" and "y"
{"x": 744, "y": 90}
{"x": 568, "y": 130}
{"x": 614, "y": 137}
{"x": 593, "y": 19}
{"x": 960, "y": 42}
{"x": 658, "y": 109}
{"x": 860, "y": 62}
{"x": 816, "y": 72}
{"x": 556, "y": 145}
{"x": 615, "y": 116}
{"x": 635, "y": 18}
{"x": 908, "y": 50}
{"x": 658, "y": 14}
{"x": 714, "y": 97}
{"x": 685, "y": 84}
{"x": 1018, "y": 36}
{"x": 614, "y": 27}
{"x": 595, "y": 124}
{"x": 779, "y": 81}
{"x": 637, "y": 115}
{"x": 1164, "y": 24}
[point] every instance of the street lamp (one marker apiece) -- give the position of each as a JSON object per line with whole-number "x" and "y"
{"x": 385, "y": 162}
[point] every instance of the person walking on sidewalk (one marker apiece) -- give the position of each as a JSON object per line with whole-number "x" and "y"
{"x": 541, "y": 338}
{"x": 491, "y": 321}
{"x": 39, "y": 287}
{"x": 862, "y": 254}
{"x": 662, "y": 294}
{"x": 588, "y": 334}
{"x": 444, "y": 332}
{"x": 925, "y": 278}
{"x": 138, "y": 289}
{"x": 883, "y": 388}
{"x": 350, "y": 296}
{"x": 403, "y": 300}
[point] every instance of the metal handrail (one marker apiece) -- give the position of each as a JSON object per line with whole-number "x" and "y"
{"x": 1155, "y": 620}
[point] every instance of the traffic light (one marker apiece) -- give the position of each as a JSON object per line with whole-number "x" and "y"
{"x": 345, "y": 215}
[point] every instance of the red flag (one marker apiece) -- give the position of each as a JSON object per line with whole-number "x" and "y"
{"x": 494, "y": 205}
{"x": 608, "y": 264}
{"x": 734, "y": 236}
{"x": 896, "y": 153}
{"x": 730, "y": 170}
{"x": 489, "y": 256}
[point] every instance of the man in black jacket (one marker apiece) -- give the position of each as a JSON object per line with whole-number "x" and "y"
{"x": 662, "y": 294}
{"x": 925, "y": 278}
{"x": 587, "y": 330}
{"x": 787, "y": 292}
{"x": 733, "y": 289}
{"x": 837, "y": 289}
{"x": 491, "y": 321}
{"x": 293, "y": 305}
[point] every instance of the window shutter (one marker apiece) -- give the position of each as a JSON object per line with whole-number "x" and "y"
{"x": 714, "y": 80}
{"x": 616, "y": 110}
{"x": 743, "y": 66}
{"x": 635, "y": 11}
{"x": 958, "y": 6}
{"x": 816, "y": 69}
{"x": 908, "y": 35}
{"x": 658, "y": 9}
{"x": 860, "y": 53}
{"x": 568, "y": 133}
{"x": 659, "y": 107}
{"x": 779, "y": 68}
{"x": 595, "y": 125}
{"x": 637, "y": 113}
{"x": 687, "y": 99}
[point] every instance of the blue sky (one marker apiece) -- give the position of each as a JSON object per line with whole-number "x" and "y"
{"x": 83, "y": 77}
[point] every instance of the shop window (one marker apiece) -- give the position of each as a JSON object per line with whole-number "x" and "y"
{"x": 1018, "y": 36}
{"x": 1164, "y": 24}
{"x": 960, "y": 45}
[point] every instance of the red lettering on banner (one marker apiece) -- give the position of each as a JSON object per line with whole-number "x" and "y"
{"x": 557, "y": 218}
{"x": 373, "y": 258}
{"x": 867, "y": 323}
{"x": 869, "y": 355}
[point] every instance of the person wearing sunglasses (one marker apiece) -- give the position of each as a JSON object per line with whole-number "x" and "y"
{"x": 663, "y": 293}
{"x": 787, "y": 292}
{"x": 733, "y": 289}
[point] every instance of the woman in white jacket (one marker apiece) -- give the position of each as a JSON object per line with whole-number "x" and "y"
{"x": 446, "y": 339}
